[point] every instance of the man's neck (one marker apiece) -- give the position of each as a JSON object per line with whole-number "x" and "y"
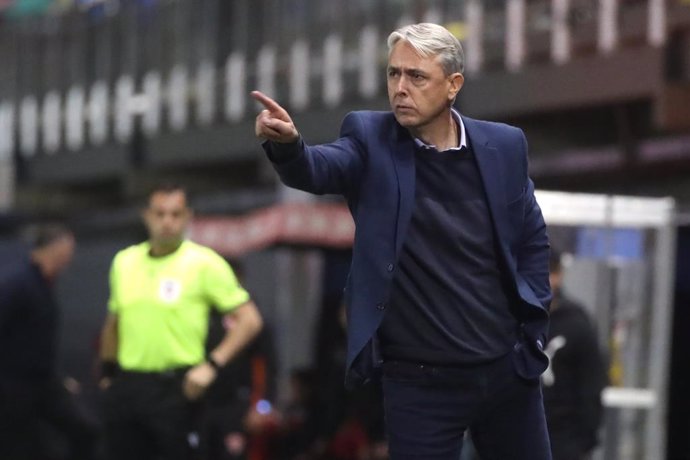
{"x": 442, "y": 133}
{"x": 163, "y": 249}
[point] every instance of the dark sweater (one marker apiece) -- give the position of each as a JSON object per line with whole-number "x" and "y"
{"x": 448, "y": 303}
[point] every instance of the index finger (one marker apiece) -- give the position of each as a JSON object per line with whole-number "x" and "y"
{"x": 267, "y": 102}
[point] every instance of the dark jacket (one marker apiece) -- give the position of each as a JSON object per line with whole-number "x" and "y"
{"x": 572, "y": 386}
{"x": 28, "y": 323}
{"x": 372, "y": 164}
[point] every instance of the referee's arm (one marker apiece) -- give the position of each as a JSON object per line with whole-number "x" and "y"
{"x": 108, "y": 351}
{"x": 247, "y": 323}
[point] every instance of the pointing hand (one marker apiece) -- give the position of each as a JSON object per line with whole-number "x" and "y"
{"x": 273, "y": 123}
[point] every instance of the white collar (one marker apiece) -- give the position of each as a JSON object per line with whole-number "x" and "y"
{"x": 463, "y": 137}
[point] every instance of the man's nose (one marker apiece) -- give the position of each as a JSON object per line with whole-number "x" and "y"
{"x": 401, "y": 86}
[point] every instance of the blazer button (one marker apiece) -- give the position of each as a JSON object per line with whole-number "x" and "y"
{"x": 390, "y": 267}
{"x": 381, "y": 306}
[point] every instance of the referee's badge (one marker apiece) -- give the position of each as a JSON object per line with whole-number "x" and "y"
{"x": 169, "y": 290}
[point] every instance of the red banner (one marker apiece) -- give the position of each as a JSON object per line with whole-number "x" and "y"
{"x": 316, "y": 224}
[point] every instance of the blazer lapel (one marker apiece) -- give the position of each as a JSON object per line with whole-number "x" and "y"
{"x": 491, "y": 174}
{"x": 402, "y": 154}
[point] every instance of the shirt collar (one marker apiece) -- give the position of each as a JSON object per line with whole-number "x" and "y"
{"x": 463, "y": 137}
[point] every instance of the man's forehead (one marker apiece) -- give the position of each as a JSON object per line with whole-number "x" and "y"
{"x": 161, "y": 198}
{"x": 403, "y": 55}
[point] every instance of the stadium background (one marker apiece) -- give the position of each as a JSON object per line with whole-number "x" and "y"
{"x": 99, "y": 99}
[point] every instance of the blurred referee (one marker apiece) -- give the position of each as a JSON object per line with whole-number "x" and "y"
{"x": 153, "y": 341}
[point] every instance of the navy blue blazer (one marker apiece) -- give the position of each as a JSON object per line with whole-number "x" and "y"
{"x": 372, "y": 165}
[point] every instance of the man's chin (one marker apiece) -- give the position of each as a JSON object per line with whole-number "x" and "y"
{"x": 406, "y": 121}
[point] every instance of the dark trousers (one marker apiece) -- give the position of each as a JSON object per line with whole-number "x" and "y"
{"x": 428, "y": 409}
{"x": 147, "y": 417}
{"x": 223, "y": 436}
{"x": 42, "y": 420}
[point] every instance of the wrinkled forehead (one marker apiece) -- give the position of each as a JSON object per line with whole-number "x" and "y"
{"x": 403, "y": 54}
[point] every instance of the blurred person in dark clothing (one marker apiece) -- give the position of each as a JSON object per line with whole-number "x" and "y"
{"x": 575, "y": 377}
{"x": 448, "y": 292}
{"x": 32, "y": 396}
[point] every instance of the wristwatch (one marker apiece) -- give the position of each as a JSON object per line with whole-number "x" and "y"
{"x": 214, "y": 364}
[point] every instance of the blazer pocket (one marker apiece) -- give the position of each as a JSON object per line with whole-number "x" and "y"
{"x": 514, "y": 199}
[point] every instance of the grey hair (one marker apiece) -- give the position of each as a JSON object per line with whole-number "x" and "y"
{"x": 432, "y": 40}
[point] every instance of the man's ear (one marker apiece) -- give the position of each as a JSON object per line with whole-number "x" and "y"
{"x": 456, "y": 81}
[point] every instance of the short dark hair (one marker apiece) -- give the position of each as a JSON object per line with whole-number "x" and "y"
{"x": 166, "y": 187}
{"x": 37, "y": 236}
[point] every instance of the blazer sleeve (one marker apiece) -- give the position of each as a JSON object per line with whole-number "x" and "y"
{"x": 327, "y": 168}
{"x": 533, "y": 250}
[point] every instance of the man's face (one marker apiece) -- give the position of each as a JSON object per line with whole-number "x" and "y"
{"x": 62, "y": 251}
{"x": 418, "y": 89}
{"x": 166, "y": 217}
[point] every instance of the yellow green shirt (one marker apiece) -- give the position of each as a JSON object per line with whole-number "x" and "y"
{"x": 163, "y": 304}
